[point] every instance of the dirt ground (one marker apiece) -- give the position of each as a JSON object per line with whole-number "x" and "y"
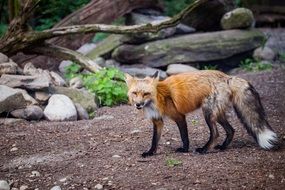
{"x": 107, "y": 151}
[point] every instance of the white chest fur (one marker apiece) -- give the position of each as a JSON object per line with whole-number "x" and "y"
{"x": 151, "y": 112}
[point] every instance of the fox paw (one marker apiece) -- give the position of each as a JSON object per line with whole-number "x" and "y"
{"x": 201, "y": 150}
{"x": 219, "y": 147}
{"x": 146, "y": 154}
{"x": 181, "y": 150}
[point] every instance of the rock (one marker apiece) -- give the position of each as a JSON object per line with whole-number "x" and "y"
{"x": 13, "y": 149}
{"x": 3, "y": 58}
{"x": 10, "y": 99}
{"x": 26, "y": 82}
{"x": 42, "y": 96}
{"x": 60, "y": 108}
{"x": 57, "y": 79}
{"x": 76, "y": 83}
{"x": 86, "y": 48}
{"x": 191, "y": 48}
{"x": 264, "y": 53}
{"x": 29, "y": 113}
{"x": 11, "y": 121}
{"x": 82, "y": 114}
{"x": 8, "y": 68}
{"x": 31, "y": 70}
{"x": 116, "y": 156}
{"x": 112, "y": 63}
{"x": 56, "y": 188}
{"x": 179, "y": 68}
{"x": 83, "y": 97}
{"x": 142, "y": 71}
{"x": 4, "y": 185}
{"x": 24, "y": 187}
{"x": 62, "y": 66}
{"x": 99, "y": 61}
{"x": 239, "y": 18}
{"x": 98, "y": 186}
{"x": 35, "y": 174}
{"x": 29, "y": 99}
{"x": 184, "y": 29}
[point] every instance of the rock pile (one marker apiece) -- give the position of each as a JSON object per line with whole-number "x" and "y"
{"x": 33, "y": 94}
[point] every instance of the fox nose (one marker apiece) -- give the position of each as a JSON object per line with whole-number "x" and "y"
{"x": 139, "y": 105}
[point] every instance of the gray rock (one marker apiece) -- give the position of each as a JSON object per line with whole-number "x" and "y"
{"x": 60, "y": 108}
{"x": 98, "y": 186}
{"x": 83, "y": 97}
{"x": 35, "y": 174}
{"x": 142, "y": 71}
{"x": 24, "y": 187}
{"x": 29, "y": 113}
{"x": 11, "y": 121}
{"x": 112, "y": 63}
{"x": 239, "y": 18}
{"x": 8, "y": 68}
{"x": 99, "y": 61}
{"x": 57, "y": 80}
{"x": 81, "y": 112}
{"x": 30, "y": 69}
{"x": 264, "y": 53}
{"x": 191, "y": 48}
{"x": 3, "y": 58}
{"x": 184, "y": 29}
{"x": 62, "y": 66}
{"x": 76, "y": 83}
{"x": 56, "y": 188}
{"x": 86, "y": 48}
{"x": 26, "y": 82}
{"x": 29, "y": 99}
{"x": 10, "y": 99}
{"x": 179, "y": 68}
{"x": 42, "y": 96}
{"x": 4, "y": 185}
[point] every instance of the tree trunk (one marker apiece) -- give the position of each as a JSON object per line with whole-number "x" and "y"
{"x": 97, "y": 11}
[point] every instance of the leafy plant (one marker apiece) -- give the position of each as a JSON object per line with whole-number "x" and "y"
{"x": 254, "y": 65}
{"x": 171, "y": 162}
{"x": 210, "y": 67}
{"x": 99, "y": 36}
{"x": 108, "y": 84}
{"x": 173, "y": 6}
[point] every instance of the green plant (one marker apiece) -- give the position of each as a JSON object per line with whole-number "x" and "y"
{"x": 173, "y": 6}
{"x": 108, "y": 84}
{"x": 99, "y": 36}
{"x": 254, "y": 65}
{"x": 171, "y": 162}
{"x": 3, "y": 29}
{"x": 282, "y": 56}
{"x": 210, "y": 67}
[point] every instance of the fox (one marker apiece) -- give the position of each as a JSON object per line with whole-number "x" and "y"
{"x": 213, "y": 91}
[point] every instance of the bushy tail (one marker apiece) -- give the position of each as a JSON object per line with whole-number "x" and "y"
{"x": 250, "y": 111}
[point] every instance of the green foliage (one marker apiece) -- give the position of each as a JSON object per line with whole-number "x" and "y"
{"x": 3, "y": 29}
{"x": 254, "y": 65}
{"x": 173, "y": 6}
{"x": 108, "y": 84}
{"x": 210, "y": 67}
{"x": 99, "y": 36}
{"x": 171, "y": 162}
{"x": 50, "y": 12}
{"x": 282, "y": 56}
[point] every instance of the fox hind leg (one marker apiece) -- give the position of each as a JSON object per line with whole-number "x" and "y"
{"x": 182, "y": 126}
{"x": 229, "y": 133}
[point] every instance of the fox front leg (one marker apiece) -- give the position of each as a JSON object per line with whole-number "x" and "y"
{"x": 157, "y": 129}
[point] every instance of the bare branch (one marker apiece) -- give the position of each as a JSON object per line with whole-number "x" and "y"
{"x": 64, "y": 53}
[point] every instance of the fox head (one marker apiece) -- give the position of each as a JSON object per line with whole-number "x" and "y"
{"x": 142, "y": 92}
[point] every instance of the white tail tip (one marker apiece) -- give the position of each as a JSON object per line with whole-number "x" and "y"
{"x": 267, "y": 139}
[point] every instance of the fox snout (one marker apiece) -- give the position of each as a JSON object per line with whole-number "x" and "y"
{"x": 139, "y": 105}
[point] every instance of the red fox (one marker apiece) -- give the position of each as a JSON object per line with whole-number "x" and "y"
{"x": 214, "y": 91}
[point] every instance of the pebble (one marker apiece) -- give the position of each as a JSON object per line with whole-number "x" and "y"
{"x": 116, "y": 156}
{"x": 35, "y": 174}
{"x": 24, "y": 187}
{"x": 271, "y": 176}
{"x": 4, "y": 185}
{"x": 13, "y": 149}
{"x": 55, "y": 188}
{"x": 98, "y": 186}
{"x": 63, "y": 180}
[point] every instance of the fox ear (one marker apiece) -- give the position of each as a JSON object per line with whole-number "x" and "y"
{"x": 155, "y": 75}
{"x": 129, "y": 79}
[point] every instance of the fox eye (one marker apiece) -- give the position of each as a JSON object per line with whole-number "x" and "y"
{"x": 146, "y": 94}
{"x": 134, "y": 93}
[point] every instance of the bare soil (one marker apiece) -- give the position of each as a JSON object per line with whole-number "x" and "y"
{"x": 107, "y": 150}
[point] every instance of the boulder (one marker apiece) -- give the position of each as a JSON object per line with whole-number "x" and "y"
{"x": 8, "y": 68}
{"x": 76, "y": 83}
{"x": 3, "y": 58}
{"x": 82, "y": 114}
{"x": 4, "y": 185}
{"x": 99, "y": 61}
{"x": 10, "y": 99}
{"x": 239, "y": 18}
{"x": 83, "y": 97}
{"x": 42, "y": 96}
{"x": 192, "y": 48}
{"x": 142, "y": 71}
{"x": 26, "y": 82}
{"x": 264, "y": 53}
{"x": 60, "y": 108}
{"x": 174, "y": 69}
{"x": 29, "y": 113}
{"x": 57, "y": 80}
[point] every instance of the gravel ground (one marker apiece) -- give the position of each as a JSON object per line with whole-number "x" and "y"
{"x": 106, "y": 152}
